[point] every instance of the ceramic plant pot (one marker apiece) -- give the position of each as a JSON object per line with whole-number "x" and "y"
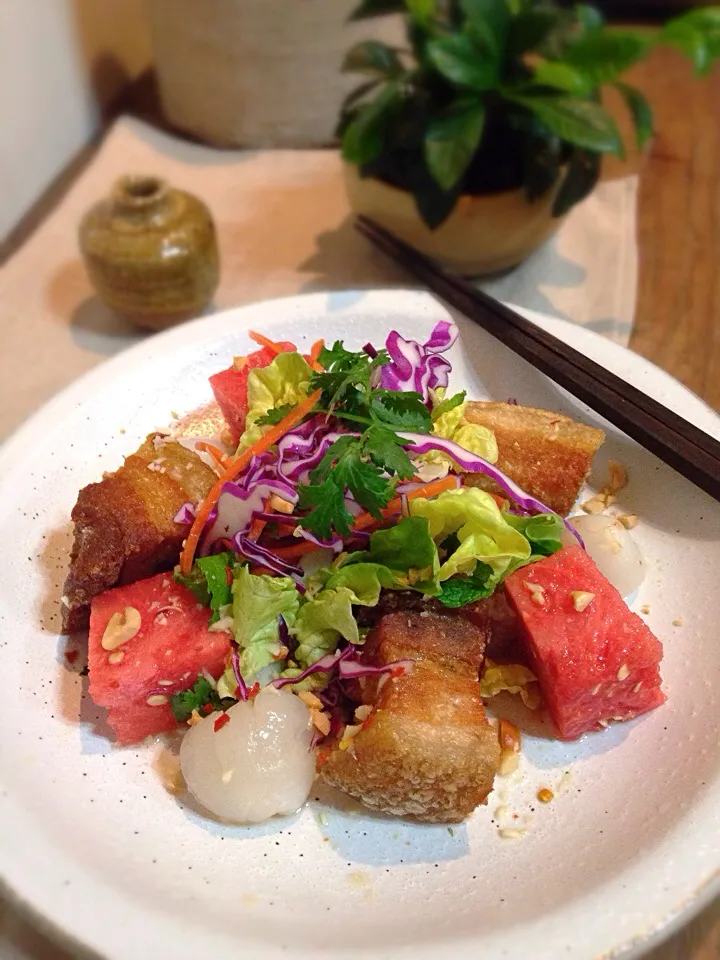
{"x": 151, "y": 252}
{"x": 482, "y": 235}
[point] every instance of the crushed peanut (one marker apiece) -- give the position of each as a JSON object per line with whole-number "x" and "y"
{"x": 628, "y": 520}
{"x": 116, "y": 656}
{"x": 512, "y": 833}
{"x": 310, "y": 700}
{"x": 194, "y": 719}
{"x": 537, "y": 592}
{"x": 618, "y": 477}
{"x": 594, "y": 505}
{"x": 363, "y": 712}
{"x": 645, "y": 608}
{"x": 321, "y": 722}
{"x": 595, "y": 690}
{"x": 624, "y": 672}
{"x": 637, "y": 686}
{"x": 544, "y": 795}
{"x": 121, "y": 627}
{"x": 581, "y": 599}
{"x": 157, "y": 700}
{"x": 678, "y": 622}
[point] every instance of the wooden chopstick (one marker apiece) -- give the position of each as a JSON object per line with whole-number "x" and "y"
{"x": 690, "y": 451}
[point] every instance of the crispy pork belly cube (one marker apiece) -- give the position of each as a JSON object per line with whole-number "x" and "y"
{"x": 124, "y": 528}
{"x": 426, "y": 750}
{"x": 547, "y": 454}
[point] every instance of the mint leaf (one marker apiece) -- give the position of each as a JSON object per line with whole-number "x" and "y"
{"x": 459, "y": 591}
{"x": 274, "y": 416}
{"x": 386, "y": 451}
{"x": 202, "y": 693}
{"x": 208, "y": 581}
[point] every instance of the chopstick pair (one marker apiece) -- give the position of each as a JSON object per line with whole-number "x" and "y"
{"x": 690, "y": 451}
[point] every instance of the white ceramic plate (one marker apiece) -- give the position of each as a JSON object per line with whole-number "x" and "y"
{"x": 91, "y": 839}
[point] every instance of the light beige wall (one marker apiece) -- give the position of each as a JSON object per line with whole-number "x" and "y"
{"x": 61, "y": 63}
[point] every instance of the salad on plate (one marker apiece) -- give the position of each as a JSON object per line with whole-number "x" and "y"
{"x": 332, "y": 568}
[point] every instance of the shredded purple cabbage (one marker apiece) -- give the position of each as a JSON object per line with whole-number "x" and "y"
{"x": 352, "y": 669}
{"x": 186, "y": 513}
{"x": 266, "y": 558}
{"x": 323, "y": 665}
{"x": 241, "y": 685}
{"x": 415, "y": 366}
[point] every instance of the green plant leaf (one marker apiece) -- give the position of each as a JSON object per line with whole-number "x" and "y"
{"x": 530, "y": 28}
{"x": 553, "y": 73}
{"x": 583, "y": 123}
{"x": 640, "y": 111}
{"x": 376, "y": 8}
{"x": 422, "y": 11}
{"x": 602, "y": 55}
{"x": 458, "y": 58}
{"x": 541, "y": 166}
{"x": 580, "y": 179}
{"x": 452, "y": 139}
{"x": 688, "y": 39}
{"x": 373, "y": 58}
{"x": 589, "y": 18}
{"x": 488, "y": 21}
{"x": 364, "y": 136}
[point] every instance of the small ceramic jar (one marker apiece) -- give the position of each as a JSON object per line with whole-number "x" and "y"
{"x": 151, "y": 252}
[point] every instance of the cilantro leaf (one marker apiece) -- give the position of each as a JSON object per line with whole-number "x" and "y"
{"x": 328, "y": 502}
{"x": 401, "y": 410}
{"x": 338, "y": 449}
{"x": 366, "y": 483}
{"x": 202, "y": 693}
{"x": 274, "y": 416}
{"x": 458, "y": 591}
{"x": 446, "y": 405}
{"x": 208, "y": 581}
{"x": 385, "y": 449}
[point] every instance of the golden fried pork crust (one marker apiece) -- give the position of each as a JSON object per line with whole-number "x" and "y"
{"x": 124, "y": 529}
{"x": 547, "y": 454}
{"x": 428, "y": 751}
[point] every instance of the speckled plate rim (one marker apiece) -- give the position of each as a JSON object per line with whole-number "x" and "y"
{"x": 650, "y": 377}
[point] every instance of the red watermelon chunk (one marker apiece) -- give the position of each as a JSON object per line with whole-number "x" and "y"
{"x": 230, "y": 387}
{"x": 171, "y": 648}
{"x": 597, "y": 664}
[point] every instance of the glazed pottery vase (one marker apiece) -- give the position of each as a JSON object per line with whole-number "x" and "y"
{"x": 483, "y": 234}
{"x": 151, "y": 252}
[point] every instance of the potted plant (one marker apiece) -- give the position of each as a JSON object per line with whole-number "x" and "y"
{"x": 475, "y": 141}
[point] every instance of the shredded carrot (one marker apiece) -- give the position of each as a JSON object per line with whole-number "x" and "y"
{"x": 214, "y": 451}
{"x": 295, "y": 550}
{"x": 500, "y": 501}
{"x": 315, "y": 351}
{"x": 234, "y": 469}
{"x": 366, "y": 520}
{"x": 266, "y": 342}
{"x": 258, "y": 525}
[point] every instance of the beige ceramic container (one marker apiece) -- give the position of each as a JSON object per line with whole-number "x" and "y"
{"x": 482, "y": 235}
{"x": 151, "y": 252}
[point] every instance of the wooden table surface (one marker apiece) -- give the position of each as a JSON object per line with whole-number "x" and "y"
{"x": 677, "y": 323}
{"x": 678, "y": 311}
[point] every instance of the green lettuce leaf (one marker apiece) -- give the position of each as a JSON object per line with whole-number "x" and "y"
{"x": 258, "y": 601}
{"x": 449, "y": 422}
{"x": 482, "y": 530}
{"x": 208, "y": 581}
{"x": 283, "y": 383}
{"x": 544, "y": 531}
{"x": 407, "y": 551}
